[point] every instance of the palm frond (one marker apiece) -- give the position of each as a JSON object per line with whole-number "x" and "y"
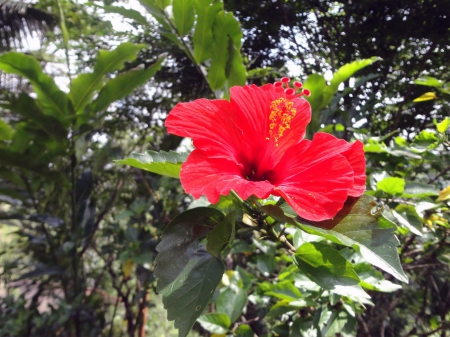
{"x": 19, "y": 19}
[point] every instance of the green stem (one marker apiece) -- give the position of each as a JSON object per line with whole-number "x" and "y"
{"x": 65, "y": 34}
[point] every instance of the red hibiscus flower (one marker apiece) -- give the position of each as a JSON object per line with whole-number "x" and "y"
{"x": 253, "y": 144}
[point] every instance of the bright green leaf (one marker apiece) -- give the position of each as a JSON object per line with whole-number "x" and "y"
{"x": 244, "y": 330}
{"x": 215, "y": 323}
{"x": 428, "y": 81}
{"x": 183, "y": 14}
{"x": 123, "y": 85}
{"x": 284, "y": 290}
{"x": 315, "y": 83}
{"x": 219, "y": 55}
{"x": 443, "y": 126}
{"x": 425, "y": 140}
{"x": 231, "y": 302}
{"x": 203, "y": 39}
{"x": 325, "y": 266}
{"x": 163, "y": 163}
{"x": 343, "y": 74}
{"x": 391, "y": 185}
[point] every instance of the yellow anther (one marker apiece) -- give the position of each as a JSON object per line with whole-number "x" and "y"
{"x": 282, "y": 112}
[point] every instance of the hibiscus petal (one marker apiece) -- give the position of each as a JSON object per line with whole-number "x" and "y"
{"x": 213, "y": 177}
{"x": 314, "y": 180}
{"x": 210, "y": 124}
{"x": 327, "y": 144}
{"x": 317, "y": 192}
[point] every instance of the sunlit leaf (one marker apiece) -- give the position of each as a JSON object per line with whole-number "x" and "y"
{"x": 203, "y": 40}
{"x": 425, "y": 140}
{"x": 325, "y": 266}
{"x": 284, "y": 290}
{"x": 428, "y": 96}
{"x": 215, "y": 323}
{"x": 123, "y": 85}
{"x": 343, "y": 74}
{"x": 443, "y": 126}
{"x": 163, "y": 163}
{"x": 183, "y": 14}
{"x": 391, "y": 185}
{"x": 407, "y": 216}
{"x": 444, "y": 194}
{"x": 231, "y": 302}
{"x": 428, "y": 81}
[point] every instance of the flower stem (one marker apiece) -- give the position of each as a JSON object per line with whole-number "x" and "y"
{"x": 246, "y": 206}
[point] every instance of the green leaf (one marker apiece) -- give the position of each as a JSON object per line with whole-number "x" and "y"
{"x": 215, "y": 323}
{"x": 221, "y": 235}
{"x": 186, "y": 273}
{"x": 183, "y": 14}
{"x": 84, "y": 86}
{"x": 11, "y": 158}
{"x": 51, "y": 98}
{"x": 153, "y": 8}
{"x": 235, "y": 70}
{"x": 407, "y": 216}
{"x": 231, "y": 302}
{"x": 362, "y": 226}
{"x": 443, "y": 126}
{"x": 429, "y": 81}
{"x": 219, "y": 55}
{"x": 203, "y": 40}
{"x": 265, "y": 264}
{"x": 27, "y": 107}
{"x": 425, "y": 140}
{"x": 127, "y": 13}
{"x": 163, "y": 163}
{"x": 315, "y": 83}
{"x": 391, "y": 185}
{"x": 284, "y": 290}
{"x": 372, "y": 279}
{"x": 123, "y": 85}
{"x": 325, "y": 266}
{"x": 6, "y": 131}
{"x": 343, "y": 74}
{"x": 244, "y": 330}
{"x": 419, "y": 190}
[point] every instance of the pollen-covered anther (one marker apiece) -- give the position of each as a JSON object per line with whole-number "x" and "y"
{"x": 282, "y": 112}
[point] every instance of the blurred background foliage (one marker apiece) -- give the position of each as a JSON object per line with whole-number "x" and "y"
{"x": 79, "y": 90}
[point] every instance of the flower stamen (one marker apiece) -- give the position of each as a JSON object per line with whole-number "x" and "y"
{"x": 282, "y": 112}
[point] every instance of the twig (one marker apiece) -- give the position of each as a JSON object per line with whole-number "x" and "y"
{"x": 102, "y": 215}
